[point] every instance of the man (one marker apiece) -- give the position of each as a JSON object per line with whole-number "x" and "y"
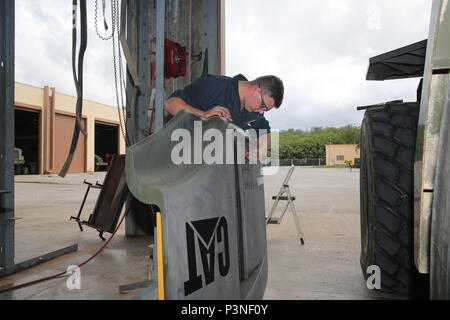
{"x": 240, "y": 101}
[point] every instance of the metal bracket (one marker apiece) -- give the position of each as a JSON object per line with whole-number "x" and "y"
{"x": 38, "y": 260}
{"x": 378, "y": 105}
{"x": 149, "y": 293}
{"x": 134, "y": 286}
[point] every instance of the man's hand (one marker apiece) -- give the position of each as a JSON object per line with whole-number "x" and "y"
{"x": 258, "y": 154}
{"x": 218, "y": 111}
{"x": 175, "y": 104}
{"x": 253, "y": 156}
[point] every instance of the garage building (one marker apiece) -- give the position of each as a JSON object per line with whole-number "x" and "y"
{"x": 341, "y": 154}
{"x": 44, "y": 123}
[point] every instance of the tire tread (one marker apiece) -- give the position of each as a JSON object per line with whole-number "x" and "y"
{"x": 391, "y": 131}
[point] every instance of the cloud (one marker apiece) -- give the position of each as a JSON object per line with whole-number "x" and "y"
{"x": 321, "y": 51}
{"x": 319, "y": 48}
{"x": 44, "y": 50}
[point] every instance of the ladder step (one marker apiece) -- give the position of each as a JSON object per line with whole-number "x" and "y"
{"x": 282, "y": 198}
{"x": 273, "y": 221}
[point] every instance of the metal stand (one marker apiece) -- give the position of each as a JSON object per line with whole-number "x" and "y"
{"x": 77, "y": 218}
{"x": 110, "y": 201}
{"x": 285, "y": 195}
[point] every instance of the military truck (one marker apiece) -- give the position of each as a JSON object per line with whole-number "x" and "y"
{"x": 19, "y": 160}
{"x": 405, "y": 170}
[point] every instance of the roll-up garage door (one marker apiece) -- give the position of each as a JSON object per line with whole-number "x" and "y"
{"x": 64, "y": 125}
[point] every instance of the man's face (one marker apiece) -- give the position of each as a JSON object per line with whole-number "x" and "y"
{"x": 257, "y": 102}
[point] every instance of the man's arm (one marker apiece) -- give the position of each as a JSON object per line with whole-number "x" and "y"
{"x": 264, "y": 144}
{"x": 174, "y": 105}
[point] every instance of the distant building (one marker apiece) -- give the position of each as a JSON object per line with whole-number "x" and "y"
{"x": 44, "y": 123}
{"x": 341, "y": 154}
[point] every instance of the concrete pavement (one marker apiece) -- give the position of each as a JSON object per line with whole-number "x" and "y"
{"x": 326, "y": 267}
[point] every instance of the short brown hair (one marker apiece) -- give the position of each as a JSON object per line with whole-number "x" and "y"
{"x": 273, "y": 86}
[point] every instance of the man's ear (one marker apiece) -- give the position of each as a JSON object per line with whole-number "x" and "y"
{"x": 256, "y": 91}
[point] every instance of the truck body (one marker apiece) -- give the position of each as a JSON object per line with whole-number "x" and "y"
{"x": 405, "y": 221}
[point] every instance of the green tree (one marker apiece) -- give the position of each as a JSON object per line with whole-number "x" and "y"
{"x": 299, "y": 144}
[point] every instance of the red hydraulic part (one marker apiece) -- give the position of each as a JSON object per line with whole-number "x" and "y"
{"x": 175, "y": 60}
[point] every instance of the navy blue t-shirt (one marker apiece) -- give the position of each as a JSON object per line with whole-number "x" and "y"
{"x": 209, "y": 90}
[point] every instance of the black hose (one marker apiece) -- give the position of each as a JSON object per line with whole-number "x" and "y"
{"x": 78, "y": 79}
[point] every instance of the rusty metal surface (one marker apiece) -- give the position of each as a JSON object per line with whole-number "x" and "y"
{"x": 434, "y": 97}
{"x": 111, "y": 198}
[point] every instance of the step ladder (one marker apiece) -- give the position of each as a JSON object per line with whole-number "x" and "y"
{"x": 285, "y": 195}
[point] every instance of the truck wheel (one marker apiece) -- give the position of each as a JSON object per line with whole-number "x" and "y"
{"x": 388, "y": 138}
{"x": 18, "y": 169}
{"x": 440, "y": 225}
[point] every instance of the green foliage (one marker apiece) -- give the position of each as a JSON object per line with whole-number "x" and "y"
{"x": 299, "y": 144}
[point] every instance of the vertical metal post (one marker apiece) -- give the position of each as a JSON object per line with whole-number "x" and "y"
{"x": 7, "y": 13}
{"x": 211, "y": 32}
{"x": 189, "y": 66}
{"x": 131, "y": 42}
{"x": 138, "y": 39}
{"x": 138, "y": 26}
{"x": 160, "y": 35}
{"x": 143, "y": 56}
{"x": 221, "y": 37}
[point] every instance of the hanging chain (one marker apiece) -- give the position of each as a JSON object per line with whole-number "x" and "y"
{"x": 113, "y": 18}
{"x": 123, "y": 104}
{"x": 117, "y": 78}
{"x": 126, "y": 105}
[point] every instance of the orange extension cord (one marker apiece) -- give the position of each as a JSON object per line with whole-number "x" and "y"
{"x": 26, "y": 284}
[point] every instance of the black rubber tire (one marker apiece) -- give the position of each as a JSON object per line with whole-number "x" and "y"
{"x": 440, "y": 225}
{"x": 388, "y": 138}
{"x": 18, "y": 169}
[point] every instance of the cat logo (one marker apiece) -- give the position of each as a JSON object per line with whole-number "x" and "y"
{"x": 210, "y": 236}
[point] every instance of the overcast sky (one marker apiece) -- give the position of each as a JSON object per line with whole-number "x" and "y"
{"x": 319, "y": 48}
